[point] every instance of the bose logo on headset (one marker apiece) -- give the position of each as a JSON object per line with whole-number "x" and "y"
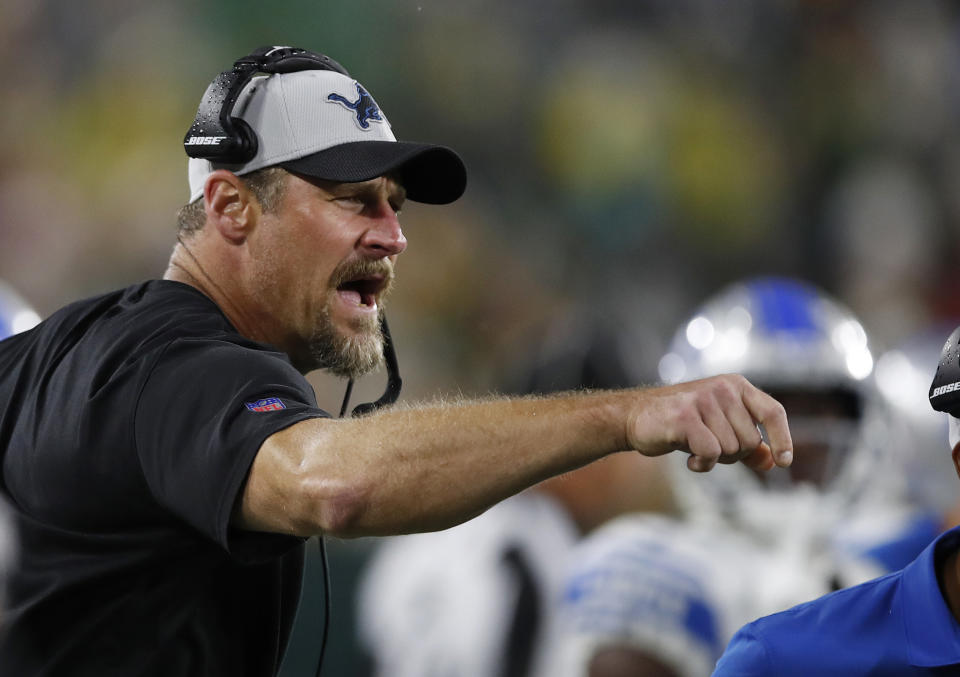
{"x": 204, "y": 140}
{"x": 948, "y": 388}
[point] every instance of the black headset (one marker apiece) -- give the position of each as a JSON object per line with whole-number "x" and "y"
{"x": 945, "y": 390}
{"x": 215, "y": 134}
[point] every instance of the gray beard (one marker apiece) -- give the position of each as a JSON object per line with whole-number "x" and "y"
{"x": 346, "y": 356}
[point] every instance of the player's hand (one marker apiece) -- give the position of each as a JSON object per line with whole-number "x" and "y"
{"x": 715, "y": 420}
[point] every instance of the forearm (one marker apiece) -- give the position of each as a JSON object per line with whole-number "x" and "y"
{"x": 429, "y": 467}
{"x": 433, "y": 466}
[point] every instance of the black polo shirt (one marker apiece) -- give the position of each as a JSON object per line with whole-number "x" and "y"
{"x": 128, "y": 423}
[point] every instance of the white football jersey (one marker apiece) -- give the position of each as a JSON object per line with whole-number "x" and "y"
{"x": 471, "y": 601}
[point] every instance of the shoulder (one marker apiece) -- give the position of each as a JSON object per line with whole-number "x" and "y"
{"x": 746, "y": 655}
{"x": 178, "y": 324}
{"x": 100, "y": 351}
{"x": 839, "y": 625}
{"x": 171, "y": 310}
{"x": 185, "y": 354}
{"x": 656, "y": 541}
{"x": 850, "y": 610}
{"x": 129, "y": 324}
{"x": 653, "y": 548}
{"x": 659, "y": 585}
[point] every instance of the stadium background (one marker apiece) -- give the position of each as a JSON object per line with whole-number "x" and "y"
{"x": 626, "y": 158}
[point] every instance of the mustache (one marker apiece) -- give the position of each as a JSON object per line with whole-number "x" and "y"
{"x": 361, "y": 268}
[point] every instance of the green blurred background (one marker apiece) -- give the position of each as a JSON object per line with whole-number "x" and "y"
{"x": 625, "y": 156}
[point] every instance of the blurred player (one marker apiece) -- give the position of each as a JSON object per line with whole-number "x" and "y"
{"x": 905, "y": 623}
{"x": 650, "y": 595}
{"x": 477, "y": 600}
{"x": 15, "y": 316}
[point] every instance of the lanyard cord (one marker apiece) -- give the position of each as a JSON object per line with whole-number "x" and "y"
{"x": 326, "y": 602}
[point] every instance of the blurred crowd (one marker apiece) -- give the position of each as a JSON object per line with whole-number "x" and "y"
{"x": 629, "y": 157}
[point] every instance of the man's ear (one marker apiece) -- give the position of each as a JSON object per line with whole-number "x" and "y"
{"x": 230, "y": 206}
{"x": 956, "y": 458}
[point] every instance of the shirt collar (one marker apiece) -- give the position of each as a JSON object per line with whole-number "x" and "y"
{"x": 933, "y": 634}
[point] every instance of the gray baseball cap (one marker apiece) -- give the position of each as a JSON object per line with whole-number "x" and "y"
{"x": 326, "y": 125}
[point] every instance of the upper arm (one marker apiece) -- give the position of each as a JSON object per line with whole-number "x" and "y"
{"x": 286, "y": 491}
{"x": 204, "y": 412}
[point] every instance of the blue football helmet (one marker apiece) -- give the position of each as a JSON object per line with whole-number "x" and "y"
{"x": 811, "y": 353}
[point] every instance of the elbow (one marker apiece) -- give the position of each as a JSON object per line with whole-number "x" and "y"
{"x": 334, "y": 508}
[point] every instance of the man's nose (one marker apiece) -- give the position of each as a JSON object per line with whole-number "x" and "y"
{"x": 384, "y": 237}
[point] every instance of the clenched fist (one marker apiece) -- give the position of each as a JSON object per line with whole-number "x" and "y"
{"x": 716, "y": 419}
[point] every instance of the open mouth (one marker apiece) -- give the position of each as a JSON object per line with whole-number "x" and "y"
{"x": 363, "y": 291}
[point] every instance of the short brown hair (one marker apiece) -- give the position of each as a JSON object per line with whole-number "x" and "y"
{"x": 267, "y": 185}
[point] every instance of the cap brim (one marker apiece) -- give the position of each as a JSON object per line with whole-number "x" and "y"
{"x": 431, "y": 174}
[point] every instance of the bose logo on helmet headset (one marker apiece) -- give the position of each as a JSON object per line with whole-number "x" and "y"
{"x": 203, "y": 140}
{"x": 948, "y": 388}
{"x": 945, "y": 390}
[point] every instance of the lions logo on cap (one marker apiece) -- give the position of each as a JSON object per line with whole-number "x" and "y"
{"x": 365, "y": 107}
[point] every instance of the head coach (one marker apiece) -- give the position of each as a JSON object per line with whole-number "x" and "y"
{"x": 165, "y": 456}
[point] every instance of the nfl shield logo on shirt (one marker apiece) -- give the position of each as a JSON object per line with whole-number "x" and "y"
{"x": 267, "y": 404}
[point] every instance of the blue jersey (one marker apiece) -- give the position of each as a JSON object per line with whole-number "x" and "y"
{"x": 896, "y": 625}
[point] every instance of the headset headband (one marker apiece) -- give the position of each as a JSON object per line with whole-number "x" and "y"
{"x": 215, "y": 134}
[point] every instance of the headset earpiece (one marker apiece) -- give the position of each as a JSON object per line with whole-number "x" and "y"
{"x": 215, "y": 134}
{"x": 944, "y": 392}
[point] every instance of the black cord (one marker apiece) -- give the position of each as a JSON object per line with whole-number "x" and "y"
{"x": 390, "y": 395}
{"x": 323, "y": 560}
{"x": 346, "y": 398}
{"x": 394, "y": 382}
{"x": 326, "y": 602}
